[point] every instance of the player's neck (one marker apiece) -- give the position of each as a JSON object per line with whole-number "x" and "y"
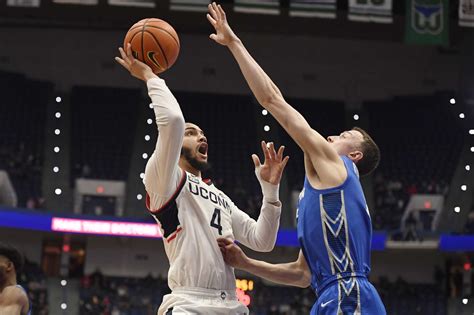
{"x": 9, "y": 281}
{"x": 194, "y": 171}
{"x": 185, "y": 165}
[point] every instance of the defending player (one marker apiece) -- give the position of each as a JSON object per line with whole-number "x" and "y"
{"x": 13, "y": 298}
{"x": 334, "y": 227}
{"x": 192, "y": 214}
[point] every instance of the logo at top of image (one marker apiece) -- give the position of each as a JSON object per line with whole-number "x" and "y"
{"x": 427, "y": 16}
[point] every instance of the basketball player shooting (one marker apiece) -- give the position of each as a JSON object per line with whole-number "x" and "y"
{"x": 13, "y": 297}
{"x": 192, "y": 214}
{"x": 334, "y": 227}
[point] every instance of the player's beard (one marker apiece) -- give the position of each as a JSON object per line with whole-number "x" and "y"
{"x": 198, "y": 165}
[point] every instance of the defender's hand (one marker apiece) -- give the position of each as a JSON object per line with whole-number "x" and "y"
{"x": 224, "y": 34}
{"x": 274, "y": 164}
{"x": 136, "y": 68}
{"x": 232, "y": 254}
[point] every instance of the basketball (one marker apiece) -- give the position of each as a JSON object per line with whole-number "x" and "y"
{"x": 154, "y": 42}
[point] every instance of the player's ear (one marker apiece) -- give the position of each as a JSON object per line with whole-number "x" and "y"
{"x": 10, "y": 265}
{"x": 356, "y": 156}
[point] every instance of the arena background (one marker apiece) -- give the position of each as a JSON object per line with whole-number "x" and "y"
{"x": 76, "y": 131}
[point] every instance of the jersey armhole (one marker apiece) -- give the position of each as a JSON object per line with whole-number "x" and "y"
{"x": 171, "y": 199}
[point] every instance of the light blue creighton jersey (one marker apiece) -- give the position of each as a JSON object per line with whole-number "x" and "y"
{"x": 335, "y": 233}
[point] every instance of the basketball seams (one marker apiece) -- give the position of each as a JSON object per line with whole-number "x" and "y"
{"x": 133, "y": 36}
{"x": 143, "y": 46}
{"x": 130, "y": 40}
{"x": 144, "y": 25}
{"x": 159, "y": 45}
{"x": 164, "y": 30}
{"x": 135, "y": 26}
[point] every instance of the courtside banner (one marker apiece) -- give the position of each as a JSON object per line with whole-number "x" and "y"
{"x": 456, "y": 243}
{"x": 47, "y": 222}
{"x": 25, "y": 219}
{"x": 111, "y": 228}
{"x": 120, "y": 227}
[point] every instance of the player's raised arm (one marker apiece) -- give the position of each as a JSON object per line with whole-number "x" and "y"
{"x": 269, "y": 96}
{"x": 13, "y": 301}
{"x": 162, "y": 174}
{"x": 261, "y": 235}
{"x": 295, "y": 273}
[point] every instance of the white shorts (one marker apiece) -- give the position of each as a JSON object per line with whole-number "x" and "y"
{"x": 201, "y": 301}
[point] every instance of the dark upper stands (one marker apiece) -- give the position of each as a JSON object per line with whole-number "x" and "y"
{"x": 420, "y": 139}
{"x": 22, "y": 128}
{"x": 103, "y": 122}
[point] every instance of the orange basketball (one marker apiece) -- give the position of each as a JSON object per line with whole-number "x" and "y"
{"x": 154, "y": 42}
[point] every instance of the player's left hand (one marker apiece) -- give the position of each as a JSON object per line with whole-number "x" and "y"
{"x": 232, "y": 254}
{"x": 274, "y": 164}
{"x": 224, "y": 34}
{"x": 136, "y": 68}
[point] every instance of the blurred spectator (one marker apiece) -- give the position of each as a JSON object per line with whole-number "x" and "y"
{"x": 412, "y": 227}
{"x": 97, "y": 279}
{"x": 469, "y": 228}
{"x": 35, "y": 203}
{"x": 86, "y": 171}
{"x": 455, "y": 281}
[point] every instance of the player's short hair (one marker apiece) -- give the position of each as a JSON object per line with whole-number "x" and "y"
{"x": 13, "y": 255}
{"x": 371, "y": 151}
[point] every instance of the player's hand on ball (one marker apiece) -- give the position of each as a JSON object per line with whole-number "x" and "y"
{"x": 274, "y": 164}
{"x": 136, "y": 68}
{"x": 232, "y": 254}
{"x": 224, "y": 34}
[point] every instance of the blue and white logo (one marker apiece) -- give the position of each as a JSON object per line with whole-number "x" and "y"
{"x": 427, "y": 16}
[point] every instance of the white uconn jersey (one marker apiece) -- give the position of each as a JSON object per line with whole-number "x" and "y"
{"x": 191, "y": 221}
{"x": 192, "y": 214}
